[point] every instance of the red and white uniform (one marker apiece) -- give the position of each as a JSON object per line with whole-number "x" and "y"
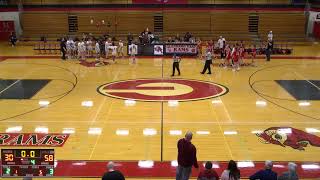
{"x": 242, "y": 52}
{"x": 210, "y": 47}
{"x": 228, "y": 53}
{"x": 235, "y": 55}
{"x": 254, "y": 52}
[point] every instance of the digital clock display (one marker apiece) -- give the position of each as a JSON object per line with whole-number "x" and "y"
{"x": 27, "y": 162}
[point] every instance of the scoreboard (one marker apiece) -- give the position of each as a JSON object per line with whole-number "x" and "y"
{"x": 27, "y": 162}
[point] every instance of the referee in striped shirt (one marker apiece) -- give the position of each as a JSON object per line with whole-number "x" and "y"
{"x": 175, "y": 65}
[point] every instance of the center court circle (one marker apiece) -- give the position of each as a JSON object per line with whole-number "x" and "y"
{"x": 162, "y": 89}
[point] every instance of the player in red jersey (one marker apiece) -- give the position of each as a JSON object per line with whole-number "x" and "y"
{"x": 210, "y": 46}
{"x": 228, "y": 56}
{"x": 235, "y": 58}
{"x": 253, "y": 56}
{"x": 242, "y": 53}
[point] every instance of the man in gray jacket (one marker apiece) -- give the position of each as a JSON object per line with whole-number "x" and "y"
{"x": 291, "y": 174}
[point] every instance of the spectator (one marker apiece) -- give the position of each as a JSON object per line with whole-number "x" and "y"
{"x": 266, "y": 174}
{"x": 187, "y": 37}
{"x": 170, "y": 40}
{"x": 13, "y": 39}
{"x": 177, "y": 38}
{"x": 291, "y": 174}
{"x": 112, "y": 174}
{"x": 208, "y": 173}
{"x": 129, "y": 38}
{"x": 270, "y": 36}
{"x": 232, "y": 173}
{"x": 187, "y": 156}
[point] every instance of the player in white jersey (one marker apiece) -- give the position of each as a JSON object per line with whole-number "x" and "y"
{"x": 82, "y": 50}
{"x": 74, "y": 48}
{"x": 113, "y": 52}
{"x": 133, "y": 52}
{"x": 69, "y": 48}
{"x": 106, "y": 47}
{"x": 120, "y": 49}
{"x": 97, "y": 50}
{"x": 89, "y": 48}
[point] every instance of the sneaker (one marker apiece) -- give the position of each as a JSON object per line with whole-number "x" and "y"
{"x": 233, "y": 70}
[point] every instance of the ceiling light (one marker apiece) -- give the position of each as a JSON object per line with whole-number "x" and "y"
{"x": 95, "y": 131}
{"x": 87, "y": 103}
{"x": 173, "y": 103}
{"x": 122, "y": 132}
{"x": 149, "y": 132}
{"x": 230, "y": 132}
{"x": 175, "y": 132}
{"x": 68, "y": 131}
{"x": 146, "y": 164}
{"x": 13, "y": 129}
{"x": 41, "y": 129}
{"x": 203, "y": 132}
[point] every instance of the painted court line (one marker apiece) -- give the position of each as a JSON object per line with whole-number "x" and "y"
{"x": 10, "y": 86}
{"x": 304, "y": 78}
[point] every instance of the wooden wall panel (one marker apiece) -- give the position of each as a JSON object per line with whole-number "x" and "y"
{"x": 44, "y": 23}
{"x": 182, "y": 22}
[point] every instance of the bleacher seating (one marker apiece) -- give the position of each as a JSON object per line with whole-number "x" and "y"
{"x": 44, "y": 24}
{"x": 286, "y": 26}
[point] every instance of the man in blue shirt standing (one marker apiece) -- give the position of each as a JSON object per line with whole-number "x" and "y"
{"x": 266, "y": 174}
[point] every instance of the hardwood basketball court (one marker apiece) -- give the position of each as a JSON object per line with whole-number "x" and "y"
{"x": 42, "y": 94}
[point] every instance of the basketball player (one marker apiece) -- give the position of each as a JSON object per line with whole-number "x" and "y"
{"x": 89, "y": 47}
{"x": 69, "y": 48}
{"x": 175, "y": 65}
{"x": 228, "y": 56}
{"x": 113, "y": 52}
{"x": 208, "y": 62}
{"x": 235, "y": 58}
{"x": 253, "y": 56}
{"x": 133, "y": 51}
{"x": 106, "y": 47}
{"x": 120, "y": 49}
{"x": 210, "y": 46}
{"x": 97, "y": 50}
{"x": 73, "y": 48}
{"x": 242, "y": 52}
{"x": 82, "y": 50}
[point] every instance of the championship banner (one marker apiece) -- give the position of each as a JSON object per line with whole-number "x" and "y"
{"x": 181, "y": 49}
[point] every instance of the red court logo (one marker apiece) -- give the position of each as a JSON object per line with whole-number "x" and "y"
{"x": 287, "y": 136}
{"x": 162, "y": 89}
